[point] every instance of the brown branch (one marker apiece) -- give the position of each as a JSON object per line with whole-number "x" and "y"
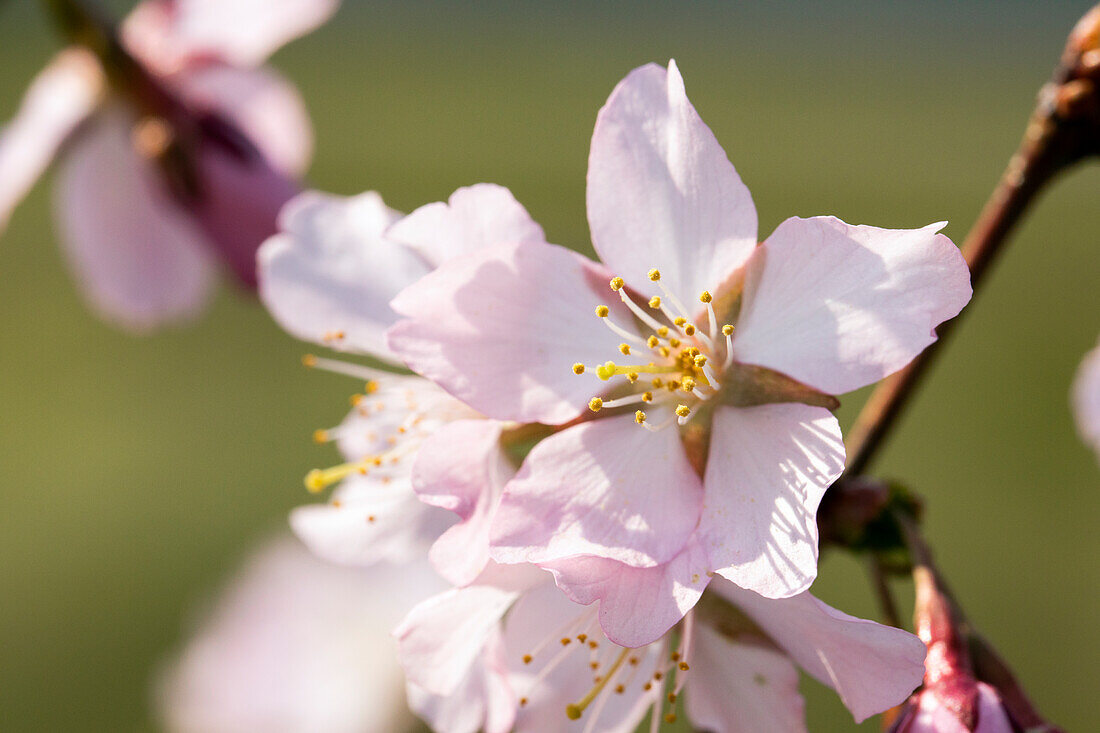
{"x": 1063, "y": 129}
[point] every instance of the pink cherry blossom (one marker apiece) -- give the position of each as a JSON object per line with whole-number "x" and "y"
{"x": 510, "y": 653}
{"x": 182, "y": 165}
{"x": 411, "y": 450}
{"x": 692, "y": 372}
{"x": 295, "y": 645}
{"x": 1086, "y": 400}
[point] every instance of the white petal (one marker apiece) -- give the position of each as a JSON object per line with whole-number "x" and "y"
{"x": 1086, "y": 400}
{"x": 767, "y": 470}
{"x": 872, "y": 667}
{"x": 444, "y": 636}
{"x": 838, "y": 306}
{"x": 661, "y": 192}
{"x": 60, "y": 98}
{"x": 474, "y": 217}
{"x": 741, "y": 687}
{"x": 369, "y": 520}
{"x": 240, "y": 32}
{"x": 330, "y": 271}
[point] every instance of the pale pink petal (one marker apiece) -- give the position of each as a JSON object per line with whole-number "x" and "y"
{"x": 443, "y": 637}
{"x": 296, "y": 645}
{"x": 742, "y": 687}
{"x": 369, "y": 520}
{"x": 501, "y": 329}
{"x": 264, "y": 105}
{"x": 1086, "y": 400}
{"x": 329, "y": 275}
{"x": 482, "y": 701}
{"x": 637, "y": 605}
{"x": 139, "y": 259}
{"x": 58, "y": 100}
{"x": 167, "y": 33}
{"x": 661, "y": 192}
{"x": 872, "y": 667}
{"x": 838, "y": 306}
{"x": 462, "y": 467}
{"x": 607, "y": 488}
{"x": 472, "y": 218}
{"x": 557, "y": 675}
{"x": 768, "y": 468}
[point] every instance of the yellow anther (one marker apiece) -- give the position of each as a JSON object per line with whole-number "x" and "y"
{"x": 727, "y": 330}
{"x": 657, "y": 382}
{"x": 672, "y": 385}
{"x": 652, "y": 342}
{"x": 619, "y": 689}
{"x": 684, "y": 667}
{"x": 578, "y": 368}
{"x": 523, "y": 702}
{"x": 565, "y": 641}
{"x": 602, "y": 311}
{"x": 527, "y": 658}
{"x": 674, "y": 343}
{"x": 606, "y": 370}
{"x": 595, "y": 404}
{"x": 688, "y": 384}
{"x": 672, "y": 697}
{"x": 683, "y": 410}
{"x": 371, "y": 387}
{"x": 662, "y": 331}
{"x": 705, "y": 296}
{"x": 320, "y": 436}
{"x": 355, "y": 399}
{"x": 664, "y": 351}
{"x": 582, "y": 638}
{"x": 632, "y": 377}
{"x": 670, "y": 718}
{"x": 321, "y": 478}
{"x": 639, "y": 417}
{"x": 647, "y": 396}
{"x": 617, "y": 283}
{"x": 655, "y": 301}
{"x": 679, "y": 320}
{"x": 689, "y": 330}
{"x": 624, "y": 349}
{"x": 309, "y": 360}
{"x": 315, "y": 481}
{"x": 700, "y": 360}
{"x": 654, "y": 274}
{"x": 574, "y": 711}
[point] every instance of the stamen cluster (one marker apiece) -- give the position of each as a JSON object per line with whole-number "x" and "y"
{"x": 680, "y": 373}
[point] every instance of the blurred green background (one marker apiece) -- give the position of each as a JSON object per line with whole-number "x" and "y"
{"x": 135, "y": 472}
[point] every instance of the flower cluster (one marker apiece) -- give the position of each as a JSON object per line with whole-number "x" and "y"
{"x": 617, "y": 464}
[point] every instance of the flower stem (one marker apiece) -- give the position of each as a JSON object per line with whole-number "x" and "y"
{"x": 1064, "y": 129}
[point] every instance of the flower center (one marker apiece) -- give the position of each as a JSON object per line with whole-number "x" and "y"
{"x": 388, "y": 423}
{"x": 683, "y": 362}
{"x": 643, "y": 672}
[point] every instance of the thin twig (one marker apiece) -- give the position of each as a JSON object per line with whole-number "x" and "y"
{"x": 1063, "y": 129}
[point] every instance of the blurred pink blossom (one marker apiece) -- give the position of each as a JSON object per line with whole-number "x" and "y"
{"x": 706, "y": 441}
{"x": 1086, "y": 400}
{"x": 158, "y": 184}
{"x": 509, "y": 652}
{"x": 296, "y": 645}
{"x": 411, "y": 450}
